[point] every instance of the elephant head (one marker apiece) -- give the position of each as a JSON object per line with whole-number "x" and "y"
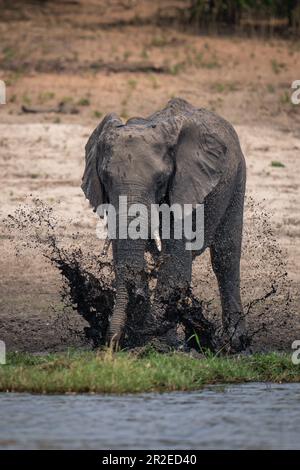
{"x": 167, "y": 157}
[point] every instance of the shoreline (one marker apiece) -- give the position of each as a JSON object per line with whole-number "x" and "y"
{"x": 105, "y": 373}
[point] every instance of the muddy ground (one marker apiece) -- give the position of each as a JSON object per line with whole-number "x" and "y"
{"x": 98, "y": 57}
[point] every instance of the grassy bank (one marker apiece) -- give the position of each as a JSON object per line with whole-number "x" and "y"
{"x": 122, "y": 373}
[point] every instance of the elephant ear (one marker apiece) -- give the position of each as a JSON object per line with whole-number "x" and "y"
{"x": 91, "y": 180}
{"x": 199, "y": 165}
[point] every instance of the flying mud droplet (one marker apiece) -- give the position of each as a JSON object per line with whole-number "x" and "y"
{"x": 88, "y": 286}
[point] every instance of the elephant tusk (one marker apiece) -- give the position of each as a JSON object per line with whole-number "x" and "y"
{"x": 157, "y": 239}
{"x": 106, "y": 246}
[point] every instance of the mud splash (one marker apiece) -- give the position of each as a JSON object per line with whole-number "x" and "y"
{"x": 87, "y": 286}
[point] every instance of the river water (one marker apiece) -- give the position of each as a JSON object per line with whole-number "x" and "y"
{"x": 248, "y": 416}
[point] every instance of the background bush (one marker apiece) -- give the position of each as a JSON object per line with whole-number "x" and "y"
{"x": 234, "y": 12}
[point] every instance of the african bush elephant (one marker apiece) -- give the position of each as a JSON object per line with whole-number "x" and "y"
{"x": 182, "y": 155}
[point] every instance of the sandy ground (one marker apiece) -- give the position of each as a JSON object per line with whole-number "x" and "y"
{"x": 95, "y": 64}
{"x": 46, "y": 161}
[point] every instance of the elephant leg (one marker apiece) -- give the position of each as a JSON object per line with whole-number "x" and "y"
{"x": 174, "y": 276}
{"x": 225, "y": 256}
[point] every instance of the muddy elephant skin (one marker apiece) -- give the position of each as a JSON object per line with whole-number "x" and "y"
{"x": 179, "y": 155}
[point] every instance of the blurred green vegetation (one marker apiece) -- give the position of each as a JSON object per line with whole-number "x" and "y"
{"x": 235, "y": 12}
{"x": 104, "y": 372}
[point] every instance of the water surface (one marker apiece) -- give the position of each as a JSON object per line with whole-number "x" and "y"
{"x": 249, "y": 416}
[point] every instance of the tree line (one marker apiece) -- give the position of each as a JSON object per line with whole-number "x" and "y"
{"x": 237, "y": 12}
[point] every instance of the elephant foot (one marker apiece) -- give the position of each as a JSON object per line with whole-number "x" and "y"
{"x": 238, "y": 344}
{"x": 170, "y": 340}
{"x": 154, "y": 320}
{"x": 237, "y": 339}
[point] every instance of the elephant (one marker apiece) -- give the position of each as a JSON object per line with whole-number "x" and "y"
{"x": 179, "y": 155}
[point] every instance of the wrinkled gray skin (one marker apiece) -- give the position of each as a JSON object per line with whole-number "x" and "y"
{"x": 183, "y": 155}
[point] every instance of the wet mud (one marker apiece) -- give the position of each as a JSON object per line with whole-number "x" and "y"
{"x": 191, "y": 322}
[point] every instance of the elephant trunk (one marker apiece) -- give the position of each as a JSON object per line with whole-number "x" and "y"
{"x": 129, "y": 262}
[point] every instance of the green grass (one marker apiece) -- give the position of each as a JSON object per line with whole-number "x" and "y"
{"x": 9, "y": 53}
{"x": 277, "y": 164}
{"x": 144, "y": 54}
{"x": 224, "y": 87}
{"x": 102, "y": 372}
{"x": 126, "y": 55}
{"x": 158, "y": 41}
{"x": 277, "y": 67}
{"x": 285, "y": 99}
{"x": 84, "y": 102}
{"x": 132, "y": 83}
{"x": 270, "y": 88}
{"x": 97, "y": 114}
{"x": 46, "y": 96}
{"x": 26, "y": 99}
{"x": 177, "y": 68}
